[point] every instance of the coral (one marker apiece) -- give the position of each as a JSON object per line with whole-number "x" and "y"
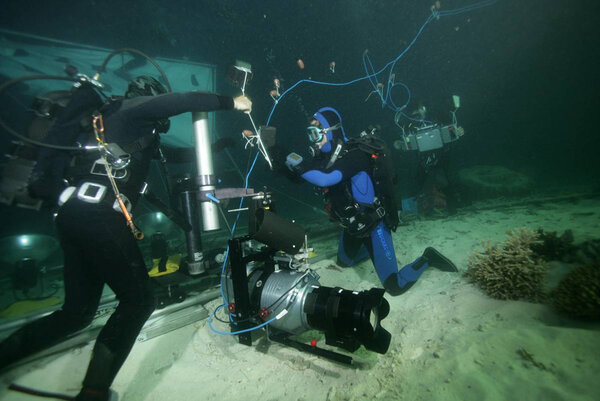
{"x": 578, "y": 294}
{"x": 510, "y": 270}
{"x": 553, "y": 247}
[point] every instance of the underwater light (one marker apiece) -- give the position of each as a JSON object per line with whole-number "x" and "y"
{"x": 24, "y": 240}
{"x": 456, "y": 101}
{"x": 156, "y": 222}
{"x": 33, "y": 246}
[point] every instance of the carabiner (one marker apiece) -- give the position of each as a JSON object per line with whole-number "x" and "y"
{"x": 98, "y": 131}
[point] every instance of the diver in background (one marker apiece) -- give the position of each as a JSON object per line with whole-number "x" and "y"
{"x": 98, "y": 245}
{"x": 345, "y": 172}
{"x": 435, "y": 190}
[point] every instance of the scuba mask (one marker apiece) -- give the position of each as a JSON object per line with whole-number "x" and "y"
{"x": 315, "y": 136}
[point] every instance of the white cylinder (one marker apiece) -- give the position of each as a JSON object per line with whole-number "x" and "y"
{"x": 204, "y": 165}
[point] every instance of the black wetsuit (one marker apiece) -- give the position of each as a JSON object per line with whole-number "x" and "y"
{"x": 98, "y": 246}
{"x": 436, "y": 189}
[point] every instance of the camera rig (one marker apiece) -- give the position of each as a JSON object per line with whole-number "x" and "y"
{"x": 431, "y": 137}
{"x": 264, "y": 285}
{"x": 428, "y": 136}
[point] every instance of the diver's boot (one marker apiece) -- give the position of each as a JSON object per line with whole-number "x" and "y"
{"x": 437, "y": 260}
{"x": 99, "y": 376}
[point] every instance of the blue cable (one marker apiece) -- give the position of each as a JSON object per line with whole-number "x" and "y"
{"x": 372, "y": 77}
{"x": 367, "y": 76}
{"x": 367, "y": 58}
{"x": 472, "y": 7}
{"x": 233, "y": 333}
{"x": 233, "y": 227}
{"x": 416, "y": 119}
{"x": 396, "y": 108}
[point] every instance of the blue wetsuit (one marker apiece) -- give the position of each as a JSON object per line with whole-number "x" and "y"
{"x": 348, "y": 181}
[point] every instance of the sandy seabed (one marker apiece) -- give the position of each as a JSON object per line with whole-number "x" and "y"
{"x": 449, "y": 340}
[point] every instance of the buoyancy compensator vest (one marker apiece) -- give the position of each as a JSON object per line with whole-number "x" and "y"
{"x": 357, "y": 217}
{"x": 69, "y": 119}
{"x": 383, "y": 174}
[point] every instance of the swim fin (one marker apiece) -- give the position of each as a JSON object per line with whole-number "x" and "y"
{"x": 436, "y": 259}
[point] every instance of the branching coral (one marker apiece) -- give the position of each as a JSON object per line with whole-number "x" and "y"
{"x": 578, "y": 294}
{"x": 510, "y": 270}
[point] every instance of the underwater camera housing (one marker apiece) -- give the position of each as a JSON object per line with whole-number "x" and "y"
{"x": 266, "y": 286}
{"x": 429, "y": 138}
{"x": 239, "y": 74}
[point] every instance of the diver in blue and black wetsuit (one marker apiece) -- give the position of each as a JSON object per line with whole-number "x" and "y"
{"x": 344, "y": 169}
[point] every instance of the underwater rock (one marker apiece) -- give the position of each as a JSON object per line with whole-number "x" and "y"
{"x": 484, "y": 182}
{"x": 578, "y": 295}
{"x": 20, "y": 53}
{"x": 510, "y": 270}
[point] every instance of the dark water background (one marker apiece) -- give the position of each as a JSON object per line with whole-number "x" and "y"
{"x": 526, "y": 71}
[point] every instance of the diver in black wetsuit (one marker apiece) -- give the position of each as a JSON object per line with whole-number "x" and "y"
{"x": 435, "y": 187}
{"x": 346, "y": 172}
{"x": 98, "y": 246}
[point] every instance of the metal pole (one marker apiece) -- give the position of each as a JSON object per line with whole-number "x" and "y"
{"x": 204, "y": 163}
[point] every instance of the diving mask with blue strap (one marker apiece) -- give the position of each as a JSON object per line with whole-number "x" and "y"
{"x": 316, "y": 134}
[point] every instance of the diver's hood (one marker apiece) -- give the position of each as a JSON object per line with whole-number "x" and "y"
{"x": 329, "y": 117}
